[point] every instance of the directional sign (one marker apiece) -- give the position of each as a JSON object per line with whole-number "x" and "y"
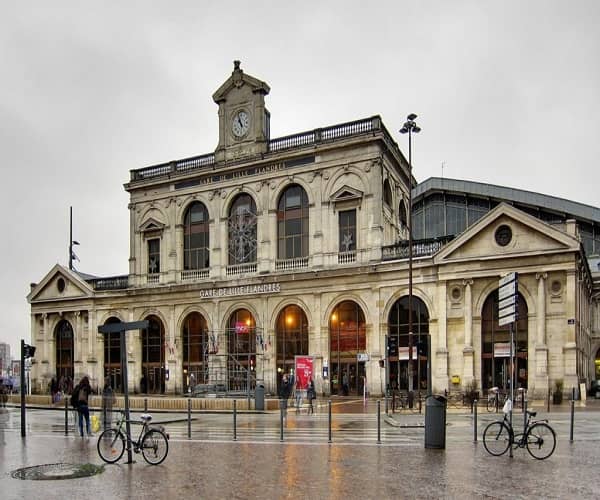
{"x": 507, "y": 279}
{"x": 508, "y": 301}
{"x": 505, "y": 320}
{"x": 508, "y": 290}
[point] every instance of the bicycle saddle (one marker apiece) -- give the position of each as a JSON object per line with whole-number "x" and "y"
{"x": 532, "y": 413}
{"x": 146, "y": 417}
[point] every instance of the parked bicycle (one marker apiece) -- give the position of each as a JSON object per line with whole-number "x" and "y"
{"x": 152, "y": 442}
{"x": 537, "y": 436}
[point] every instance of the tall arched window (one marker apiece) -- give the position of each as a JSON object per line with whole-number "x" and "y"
{"x": 292, "y": 338}
{"x": 387, "y": 193}
{"x": 153, "y": 357}
{"x": 292, "y": 223}
{"x": 241, "y": 344}
{"x": 196, "y": 244}
{"x": 64, "y": 349}
{"x": 495, "y": 346}
{"x": 242, "y": 230}
{"x": 112, "y": 356}
{"x": 195, "y": 351}
{"x": 399, "y": 343}
{"x": 347, "y": 334}
{"x": 402, "y": 214}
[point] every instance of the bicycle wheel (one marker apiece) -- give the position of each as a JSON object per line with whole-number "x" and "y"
{"x": 111, "y": 445}
{"x": 155, "y": 447}
{"x": 491, "y": 404}
{"x": 496, "y": 438}
{"x": 541, "y": 441}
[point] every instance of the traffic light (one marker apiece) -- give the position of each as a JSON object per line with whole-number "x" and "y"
{"x": 392, "y": 345}
{"x": 28, "y": 351}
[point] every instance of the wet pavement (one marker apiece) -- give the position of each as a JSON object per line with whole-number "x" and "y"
{"x": 211, "y": 464}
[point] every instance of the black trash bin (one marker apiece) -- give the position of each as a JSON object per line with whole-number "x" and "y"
{"x": 259, "y": 396}
{"x": 435, "y": 422}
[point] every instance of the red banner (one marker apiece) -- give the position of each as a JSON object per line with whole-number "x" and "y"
{"x": 303, "y": 371}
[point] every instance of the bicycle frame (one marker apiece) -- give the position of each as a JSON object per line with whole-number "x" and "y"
{"x": 122, "y": 428}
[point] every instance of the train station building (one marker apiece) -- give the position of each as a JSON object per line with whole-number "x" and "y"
{"x": 267, "y": 249}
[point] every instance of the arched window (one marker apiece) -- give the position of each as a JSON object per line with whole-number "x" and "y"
{"x": 112, "y": 356}
{"x": 64, "y": 350}
{"x": 387, "y": 193}
{"x": 292, "y": 338}
{"x": 347, "y": 335}
{"x": 292, "y": 223}
{"x": 402, "y": 214}
{"x": 242, "y": 230}
{"x": 399, "y": 342}
{"x": 495, "y": 346}
{"x": 241, "y": 344}
{"x": 196, "y": 247}
{"x": 153, "y": 357}
{"x": 195, "y": 351}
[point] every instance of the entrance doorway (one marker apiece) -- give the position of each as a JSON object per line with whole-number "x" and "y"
{"x": 348, "y": 377}
{"x": 153, "y": 357}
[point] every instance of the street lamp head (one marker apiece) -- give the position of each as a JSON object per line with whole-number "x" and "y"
{"x": 411, "y": 117}
{"x": 416, "y": 129}
{"x": 404, "y": 129}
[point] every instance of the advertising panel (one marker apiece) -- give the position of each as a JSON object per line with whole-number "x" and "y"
{"x": 304, "y": 371}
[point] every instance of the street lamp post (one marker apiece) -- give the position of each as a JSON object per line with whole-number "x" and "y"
{"x": 411, "y": 128}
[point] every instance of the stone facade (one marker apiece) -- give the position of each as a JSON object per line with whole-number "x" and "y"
{"x": 354, "y": 170}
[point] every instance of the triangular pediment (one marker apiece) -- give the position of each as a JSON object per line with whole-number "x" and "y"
{"x": 60, "y": 284}
{"x": 488, "y": 238}
{"x": 346, "y": 193}
{"x": 152, "y": 225}
{"x": 237, "y": 80}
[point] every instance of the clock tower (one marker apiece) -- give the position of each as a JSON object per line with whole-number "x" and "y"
{"x": 243, "y": 118}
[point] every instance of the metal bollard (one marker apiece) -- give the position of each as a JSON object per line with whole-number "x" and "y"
{"x": 235, "y": 419}
{"x": 475, "y": 421}
{"x": 281, "y": 410}
{"x": 572, "y": 420}
{"x": 66, "y": 415}
{"x": 378, "y": 422}
{"x": 189, "y": 418}
{"x": 329, "y": 403}
{"x": 145, "y": 405}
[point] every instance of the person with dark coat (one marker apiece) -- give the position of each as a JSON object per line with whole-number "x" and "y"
{"x": 83, "y": 392}
{"x": 311, "y": 394}
{"x": 285, "y": 390}
{"x": 54, "y": 389}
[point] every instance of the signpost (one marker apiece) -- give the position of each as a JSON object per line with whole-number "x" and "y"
{"x": 121, "y": 328}
{"x": 27, "y": 351}
{"x": 507, "y": 315}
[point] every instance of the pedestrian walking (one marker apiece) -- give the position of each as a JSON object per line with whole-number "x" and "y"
{"x": 311, "y": 395}
{"x": 298, "y": 395}
{"x": 345, "y": 383}
{"x": 54, "y": 390}
{"x": 80, "y": 395}
{"x": 285, "y": 390}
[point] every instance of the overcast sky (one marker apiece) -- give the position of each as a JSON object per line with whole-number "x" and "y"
{"x": 506, "y": 92}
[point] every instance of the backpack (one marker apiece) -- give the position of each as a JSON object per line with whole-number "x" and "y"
{"x": 75, "y": 397}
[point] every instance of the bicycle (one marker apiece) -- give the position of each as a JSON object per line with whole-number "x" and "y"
{"x": 537, "y": 436}
{"x": 152, "y": 442}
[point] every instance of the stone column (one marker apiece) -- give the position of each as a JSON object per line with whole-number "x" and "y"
{"x": 439, "y": 363}
{"x": 541, "y": 350}
{"x": 46, "y": 336}
{"x": 78, "y": 338}
{"x": 468, "y": 352}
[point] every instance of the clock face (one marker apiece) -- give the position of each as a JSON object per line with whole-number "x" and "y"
{"x": 240, "y": 123}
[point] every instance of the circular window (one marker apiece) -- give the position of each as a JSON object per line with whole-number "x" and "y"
{"x": 455, "y": 293}
{"x": 503, "y": 235}
{"x": 60, "y": 284}
{"x": 556, "y": 287}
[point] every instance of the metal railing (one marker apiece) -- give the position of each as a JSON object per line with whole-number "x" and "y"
{"x": 241, "y": 269}
{"x": 291, "y": 264}
{"x": 111, "y": 283}
{"x": 421, "y": 248}
{"x": 302, "y": 139}
{"x": 194, "y": 274}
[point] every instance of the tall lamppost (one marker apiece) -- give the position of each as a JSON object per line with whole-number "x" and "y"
{"x": 411, "y": 128}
